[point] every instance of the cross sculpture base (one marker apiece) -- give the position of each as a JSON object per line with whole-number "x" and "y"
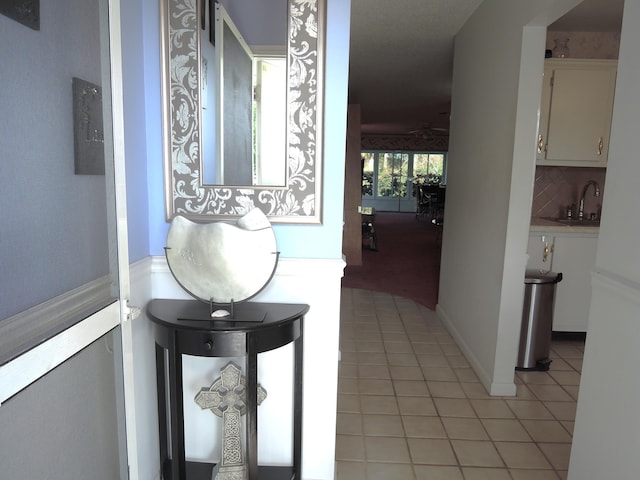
{"x": 226, "y": 398}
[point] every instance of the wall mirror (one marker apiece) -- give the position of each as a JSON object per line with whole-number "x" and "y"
{"x": 205, "y": 145}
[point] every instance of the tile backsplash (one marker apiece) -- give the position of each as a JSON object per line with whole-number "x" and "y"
{"x": 556, "y": 188}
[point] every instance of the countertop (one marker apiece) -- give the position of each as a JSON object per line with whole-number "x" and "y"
{"x": 543, "y": 225}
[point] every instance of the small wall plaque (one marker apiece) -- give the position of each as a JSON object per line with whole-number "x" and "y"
{"x": 88, "y": 128}
{"x": 27, "y": 12}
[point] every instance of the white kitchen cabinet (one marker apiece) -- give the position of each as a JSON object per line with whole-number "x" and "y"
{"x": 575, "y": 112}
{"x": 540, "y": 251}
{"x": 574, "y": 256}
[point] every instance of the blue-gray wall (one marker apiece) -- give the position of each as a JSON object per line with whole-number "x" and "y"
{"x": 64, "y": 426}
{"x": 52, "y": 221}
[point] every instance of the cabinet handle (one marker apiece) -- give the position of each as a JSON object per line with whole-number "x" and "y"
{"x": 600, "y": 145}
{"x": 548, "y": 248}
{"x": 540, "y": 143}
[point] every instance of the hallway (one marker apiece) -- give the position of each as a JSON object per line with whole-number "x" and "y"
{"x": 406, "y": 262}
{"x": 411, "y": 408}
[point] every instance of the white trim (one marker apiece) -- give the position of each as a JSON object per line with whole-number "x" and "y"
{"x": 42, "y": 318}
{"x": 30, "y": 366}
{"x": 268, "y": 50}
{"x": 612, "y": 282}
{"x": 499, "y": 389}
{"x": 286, "y": 266}
{"x": 127, "y": 311}
{"x": 503, "y": 389}
{"x": 331, "y": 267}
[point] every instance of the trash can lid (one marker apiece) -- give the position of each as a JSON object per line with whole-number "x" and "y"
{"x": 541, "y": 276}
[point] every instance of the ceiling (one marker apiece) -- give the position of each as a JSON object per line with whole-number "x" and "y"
{"x": 401, "y": 59}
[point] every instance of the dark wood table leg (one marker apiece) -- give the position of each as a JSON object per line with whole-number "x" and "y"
{"x": 178, "y": 464}
{"x": 161, "y": 384}
{"x": 297, "y": 404}
{"x": 252, "y": 407}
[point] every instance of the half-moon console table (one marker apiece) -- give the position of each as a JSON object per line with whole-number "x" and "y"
{"x": 185, "y": 327}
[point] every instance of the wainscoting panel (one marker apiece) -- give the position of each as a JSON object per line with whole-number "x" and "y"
{"x": 316, "y": 282}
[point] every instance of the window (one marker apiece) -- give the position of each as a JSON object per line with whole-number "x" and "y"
{"x": 392, "y": 175}
{"x": 367, "y": 173}
{"x": 389, "y": 178}
{"x": 270, "y": 115}
{"x": 428, "y": 168}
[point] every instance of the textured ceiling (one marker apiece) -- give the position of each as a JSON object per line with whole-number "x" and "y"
{"x": 401, "y": 56}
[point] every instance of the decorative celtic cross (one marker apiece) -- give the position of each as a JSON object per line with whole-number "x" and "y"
{"x": 226, "y": 399}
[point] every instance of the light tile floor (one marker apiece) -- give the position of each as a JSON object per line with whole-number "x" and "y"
{"x": 411, "y": 408}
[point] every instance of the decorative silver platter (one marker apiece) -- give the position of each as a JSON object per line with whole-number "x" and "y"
{"x": 220, "y": 262}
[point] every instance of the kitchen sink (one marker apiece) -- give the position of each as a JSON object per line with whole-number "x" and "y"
{"x": 575, "y": 222}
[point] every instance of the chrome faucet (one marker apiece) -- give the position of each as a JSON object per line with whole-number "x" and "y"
{"x": 596, "y": 193}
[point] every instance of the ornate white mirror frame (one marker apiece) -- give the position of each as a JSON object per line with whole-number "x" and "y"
{"x": 299, "y": 201}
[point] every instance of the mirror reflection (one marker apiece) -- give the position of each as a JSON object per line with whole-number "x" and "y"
{"x": 243, "y": 67}
{"x": 219, "y": 136}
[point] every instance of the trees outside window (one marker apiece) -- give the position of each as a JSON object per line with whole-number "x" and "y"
{"x": 390, "y": 179}
{"x": 393, "y": 168}
{"x": 428, "y": 168}
{"x": 394, "y": 174}
{"x": 368, "y": 160}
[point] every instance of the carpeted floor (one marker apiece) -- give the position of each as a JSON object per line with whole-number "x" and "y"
{"x": 407, "y": 260}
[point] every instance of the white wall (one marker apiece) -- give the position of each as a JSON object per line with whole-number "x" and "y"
{"x": 142, "y": 360}
{"x": 606, "y": 438}
{"x": 496, "y": 93}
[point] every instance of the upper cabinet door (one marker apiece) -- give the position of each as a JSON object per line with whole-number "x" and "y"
{"x": 575, "y": 114}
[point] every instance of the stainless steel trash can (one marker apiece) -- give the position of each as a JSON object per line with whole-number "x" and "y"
{"x": 537, "y": 320}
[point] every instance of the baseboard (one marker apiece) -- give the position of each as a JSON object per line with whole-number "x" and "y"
{"x": 496, "y": 389}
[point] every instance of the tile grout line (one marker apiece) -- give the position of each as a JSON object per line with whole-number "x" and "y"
{"x": 532, "y": 395}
